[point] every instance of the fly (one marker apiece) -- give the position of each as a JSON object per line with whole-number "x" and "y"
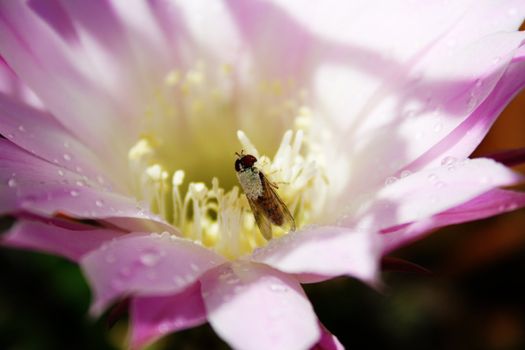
{"x": 267, "y": 207}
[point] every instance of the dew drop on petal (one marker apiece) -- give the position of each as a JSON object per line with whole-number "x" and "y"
{"x": 125, "y": 272}
{"x": 60, "y": 172}
{"x": 74, "y": 193}
{"x": 438, "y": 127}
{"x": 448, "y": 161}
{"x": 21, "y": 128}
{"x": 149, "y": 258}
{"x": 278, "y": 288}
{"x": 432, "y": 177}
{"x": 116, "y": 284}
{"x": 440, "y": 184}
{"x": 12, "y": 182}
{"x": 405, "y": 173}
{"x": 390, "y": 180}
{"x": 99, "y": 203}
{"x": 67, "y": 157}
{"x": 178, "y": 280}
{"x": 484, "y": 179}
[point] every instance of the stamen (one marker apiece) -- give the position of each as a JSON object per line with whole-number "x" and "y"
{"x": 219, "y": 216}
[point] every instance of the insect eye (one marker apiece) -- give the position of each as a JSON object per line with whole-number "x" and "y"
{"x": 238, "y": 165}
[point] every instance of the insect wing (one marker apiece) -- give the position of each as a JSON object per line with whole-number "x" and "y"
{"x": 264, "y": 224}
{"x": 269, "y": 192}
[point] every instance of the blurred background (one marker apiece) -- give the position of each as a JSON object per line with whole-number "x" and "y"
{"x": 473, "y": 298}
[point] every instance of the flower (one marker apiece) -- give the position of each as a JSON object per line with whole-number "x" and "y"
{"x": 108, "y": 107}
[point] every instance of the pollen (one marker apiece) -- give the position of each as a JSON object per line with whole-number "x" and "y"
{"x": 182, "y": 164}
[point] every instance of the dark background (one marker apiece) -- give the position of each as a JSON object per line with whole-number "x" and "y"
{"x": 474, "y": 298}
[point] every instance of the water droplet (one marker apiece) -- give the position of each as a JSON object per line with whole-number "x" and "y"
{"x": 438, "y": 127}
{"x": 99, "y": 203}
{"x": 278, "y": 288}
{"x": 390, "y": 180}
{"x": 178, "y": 280}
{"x": 432, "y": 177}
{"x": 440, "y": 184}
{"x": 79, "y": 183}
{"x": 150, "y": 258}
{"x": 405, "y": 173}
{"x": 116, "y": 284}
{"x": 78, "y": 169}
{"x": 74, "y": 193}
{"x": 125, "y": 272}
{"x": 12, "y": 182}
{"x": 410, "y": 113}
{"x": 67, "y": 157}
{"x": 472, "y": 101}
{"x": 21, "y": 128}
{"x": 194, "y": 267}
{"x": 60, "y": 172}
{"x": 484, "y": 179}
{"x": 9, "y": 135}
{"x": 448, "y": 161}
{"x": 100, "y": 179}
{"x": 233, "y": 280}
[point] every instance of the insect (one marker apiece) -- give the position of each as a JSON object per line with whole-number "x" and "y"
{"x": 267, "y": 207}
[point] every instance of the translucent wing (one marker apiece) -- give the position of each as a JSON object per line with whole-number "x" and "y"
{"x": 262, "y": 221}
{"x": 287, "y": 216}
{"x": 273, "y": 206}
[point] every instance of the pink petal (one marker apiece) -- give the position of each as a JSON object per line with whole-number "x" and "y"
{"x": 61, "y": 78}
{"x": 328, "y": 341}
{"x": 72, "y": 244}
{"x": 154, "y": 317}
{"x": 210, "y": 28}
{"x": 28, "y": 183}
{"x": 431, "y": 191}
{"x": 462, "y": 140}
{"x": 326, "y": 251}
{"x": 145, "y": 264}
{"x": 486, "y": 205}
{"x": 393, "y": 99}
{"x": 13, "y": 87}
{"x": 252, "y": 306}
{"x": 39, "y": 133}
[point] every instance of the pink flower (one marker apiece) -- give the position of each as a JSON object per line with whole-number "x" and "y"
{"x": 108, "y": 106}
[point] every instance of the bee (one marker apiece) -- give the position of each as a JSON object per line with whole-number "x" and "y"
{"x": 267, "y": 207}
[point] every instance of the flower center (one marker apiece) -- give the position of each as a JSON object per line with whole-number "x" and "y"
{"x": 183, "y": 164}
